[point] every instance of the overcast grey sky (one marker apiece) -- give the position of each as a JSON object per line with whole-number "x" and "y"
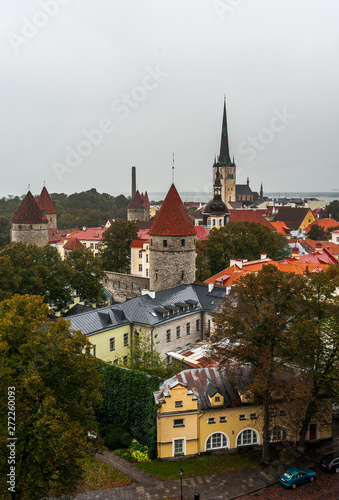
{"x": 90, "y": 88}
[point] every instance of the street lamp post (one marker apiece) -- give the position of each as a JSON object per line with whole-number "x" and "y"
{"x": 181, "y": 473}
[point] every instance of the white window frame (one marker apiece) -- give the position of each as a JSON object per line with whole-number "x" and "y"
{"x": 112, "y": 342}
{"x": 248, "y": 444}
{"x": 183, "y": 446}
{"x": 221, "y": 447}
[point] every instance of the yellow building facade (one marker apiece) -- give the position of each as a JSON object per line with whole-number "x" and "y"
{"x": 190, "y": 423}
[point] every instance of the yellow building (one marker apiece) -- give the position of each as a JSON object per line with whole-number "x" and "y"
{"x": 200, "y": 411}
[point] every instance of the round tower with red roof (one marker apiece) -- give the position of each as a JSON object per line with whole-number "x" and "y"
{"x": 29, "y": 225}
{"x": 48, "y": 209}
{"x": 172, "y": 245}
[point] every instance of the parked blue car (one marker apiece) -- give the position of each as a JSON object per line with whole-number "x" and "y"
{"x": 330, "y": 463}
{"x": 295, "y": 476}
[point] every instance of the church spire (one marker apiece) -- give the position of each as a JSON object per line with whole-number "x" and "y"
{"x": 224, "y": 158}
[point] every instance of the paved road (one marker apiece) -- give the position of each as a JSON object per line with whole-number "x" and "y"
{"x": 326, "y": 486}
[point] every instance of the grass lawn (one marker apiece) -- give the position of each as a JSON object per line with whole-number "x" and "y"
{"x": 99, "y": 476}
{"x": 203, "y": 465}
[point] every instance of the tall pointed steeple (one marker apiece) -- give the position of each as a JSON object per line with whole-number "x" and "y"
{"x": 224, "y": 157}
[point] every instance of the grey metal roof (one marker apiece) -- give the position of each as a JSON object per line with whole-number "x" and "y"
{"x": 145, "y": 310}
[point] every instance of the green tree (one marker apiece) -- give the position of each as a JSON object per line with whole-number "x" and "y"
{"x": 55, "y": 388}
{"x": 254, "y": 320}
{"x": 317, "y": 233}
{"x": 332, "y": 210}
{"x": 115, "y": 246}
{"x": 316, "y": 340}
{"x": 86, "y": 274}
{"x": 243, "y": 240}
{"x": 4, "y": 231}
{"x": 203, "y": 270}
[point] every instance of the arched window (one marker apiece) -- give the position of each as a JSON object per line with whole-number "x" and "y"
{"x": 216, "y": 441}
{"x": 247, "y": 437}
{"x": 278, "y": 434}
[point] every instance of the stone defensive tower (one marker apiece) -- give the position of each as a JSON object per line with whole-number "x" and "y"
{"x": 172, "y": 245}
{"x": 48, "y": 209}
{"x": 28, "y": 224}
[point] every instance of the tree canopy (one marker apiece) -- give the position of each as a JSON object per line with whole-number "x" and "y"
{"x": 115, "y": 246}
{"x": 332, "y": 210}
{"x": 243, "y": 240}
{"x": 53, "y": 389}
{"x": 28, "y": 269}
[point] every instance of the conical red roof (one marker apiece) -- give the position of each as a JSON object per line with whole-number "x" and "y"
{"x": 172, "y": 218}
{"x": 73, "y": 244}
{"x": 136, "y": 201}
{"x": 45, "y": 202}
{"x": 29, "y": 212}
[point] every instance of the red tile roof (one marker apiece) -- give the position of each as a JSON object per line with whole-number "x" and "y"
{"x": 324, "y": 223}
{"x": 73, "y": 244}
{"x": 92, "y": 233}
{"x": 145, "y": 199}
{"x": 136, "y": 202}
{"x": 172, "y": 218}
{"x": 280, "y": 226}
{"x": 248, "y": 215}
{"x": 45, "y": 202}
{"x": 202, "y": 233}
{"x": 29, "y": 212}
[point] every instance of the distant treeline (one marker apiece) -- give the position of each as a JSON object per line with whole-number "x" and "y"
{"x": 88, "y": 208}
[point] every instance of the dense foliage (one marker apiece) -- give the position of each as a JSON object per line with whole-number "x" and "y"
{"x": 243, "y": 240}
{"x": 55, "y": 389}
{"x": 332, "y": 210}
{"x": 115, "y": 246}
{"x": 28, "y": 269}
{"x": 128, "y": 403}
{"x": 318, "y": 233}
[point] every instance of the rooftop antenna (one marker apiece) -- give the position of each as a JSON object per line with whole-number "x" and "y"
{"x": 173, "y": 169}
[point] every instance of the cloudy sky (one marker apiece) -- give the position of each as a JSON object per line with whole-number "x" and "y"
{"x": 90, "y": 88}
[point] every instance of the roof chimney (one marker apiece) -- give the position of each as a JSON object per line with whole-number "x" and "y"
{"x": 263, "y": 256}
{"x": 134, "y": 181}
{"x": 151, "y": 293}
{"x": 210, "y": 287}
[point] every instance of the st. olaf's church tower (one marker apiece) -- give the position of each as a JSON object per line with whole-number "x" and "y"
{"x": 231, "y": 192}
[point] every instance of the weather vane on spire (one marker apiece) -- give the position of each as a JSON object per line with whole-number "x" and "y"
{"x": 173, "y": 169}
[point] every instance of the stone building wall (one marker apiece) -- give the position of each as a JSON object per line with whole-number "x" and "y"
{"x": 172, "y": 261}
{"x": 34, "y": 234}
{"x": 125, "y": 286}
{"x": 52, "y": 220}
{"x": 134, "y": 214}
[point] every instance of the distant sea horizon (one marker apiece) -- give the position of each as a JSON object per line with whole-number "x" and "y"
{"x": 327, "y": 196}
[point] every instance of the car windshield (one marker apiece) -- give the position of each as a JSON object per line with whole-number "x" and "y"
{"x": 287, "y": 475}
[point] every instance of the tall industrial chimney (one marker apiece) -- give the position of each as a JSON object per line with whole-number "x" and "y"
{"x": 134, "y": 185}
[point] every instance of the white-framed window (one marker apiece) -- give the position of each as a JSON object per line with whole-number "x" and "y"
{"x": 96, "y": 246}
{"x": 223, "y": 419}
{"x": 140, "y": 254}
{"x": 168, "y": 336}
{"x": 188, "y": 328}
{"x": 178, "y": 422}
{"x": 247, "y": 437}
{"x": 147, "y": 257}
{"x": 217, "y": 441}
{"x": 112, "y": 344}
{"x": 211, "y": 420}
{"x": 140, "y": 268}
{"x": 178, "y": 332}
{"x": 125, "y": 339}
{"x": 179, "y": 446}
{"x": 92, "y": 246}
{"x": 278, "y": 434}
{"x": 147, "y": 273}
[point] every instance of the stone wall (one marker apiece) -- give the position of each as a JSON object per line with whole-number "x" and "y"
{"x": 34, "y": 234}
{"x": 172, "y": 261}
{"x": 125, "y": 286}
